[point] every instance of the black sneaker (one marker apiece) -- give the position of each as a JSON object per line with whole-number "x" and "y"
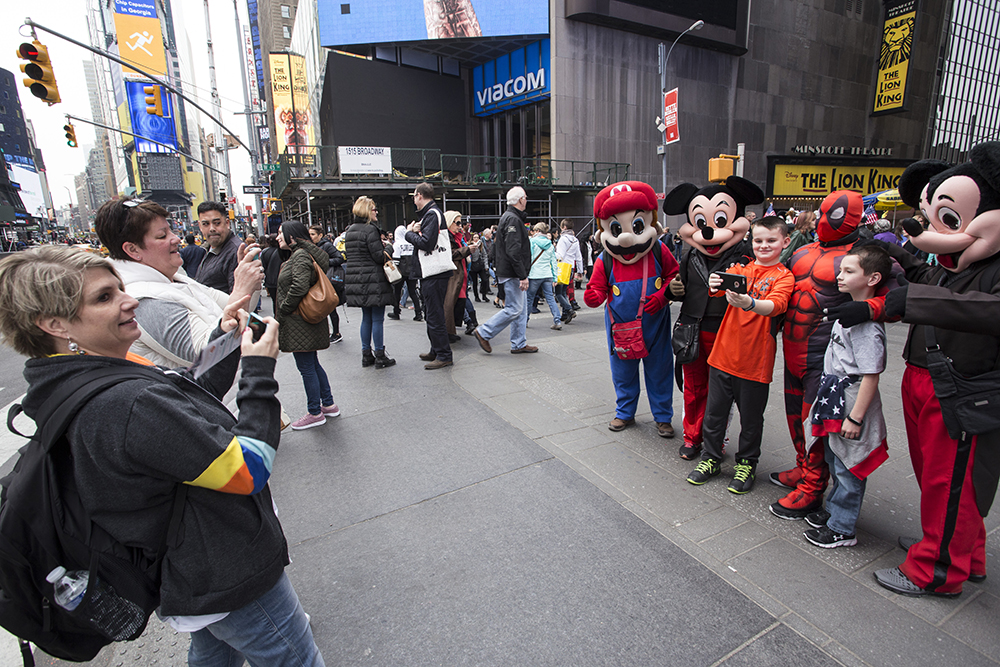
{"x": 336, "y": 338}
{"x": 818, "y": 518}
{"x": 743, "y": 478}
{"x": 827, "y": 539}
{"x": 704, "y": 471}
{"x": 392, "y": 316}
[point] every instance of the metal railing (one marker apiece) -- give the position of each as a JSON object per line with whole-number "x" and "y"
{"x": 414, "y": 165}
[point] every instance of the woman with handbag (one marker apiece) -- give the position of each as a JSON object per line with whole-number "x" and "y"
{"x": 366, "y": 285}
{"x": 454, "y": 300}
{"x": 296, "y": 335}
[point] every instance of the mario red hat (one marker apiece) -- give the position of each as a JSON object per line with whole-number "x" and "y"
{"x": 624, "y": 196}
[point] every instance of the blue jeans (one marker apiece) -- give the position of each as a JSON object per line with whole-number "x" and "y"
{"x": 314, "y": 379}
{"x": 514, "y": 313}
{"x": 372, "y": 320}
{"x": 846, "y": 493}
{"x": 271, "y": 630}
{"x": 561, "y": 292}
{"x": 545, "y": 285}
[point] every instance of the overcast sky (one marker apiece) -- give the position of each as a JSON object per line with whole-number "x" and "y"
{"x": 68, "y": 17}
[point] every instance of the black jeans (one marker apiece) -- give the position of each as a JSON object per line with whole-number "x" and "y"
{"x": 751, "y": 400}
{"x": 433, "y": 290}
{"x": 414, "y": 293}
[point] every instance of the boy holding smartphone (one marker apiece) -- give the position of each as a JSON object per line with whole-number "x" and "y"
{"x": 742, "y": 359}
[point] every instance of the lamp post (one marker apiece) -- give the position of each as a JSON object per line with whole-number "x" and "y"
{"x": 664, "y": 56}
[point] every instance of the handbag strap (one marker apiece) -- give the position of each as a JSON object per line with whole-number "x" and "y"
{"x": 642, "y": 290}
{"x": 540, "y": 251}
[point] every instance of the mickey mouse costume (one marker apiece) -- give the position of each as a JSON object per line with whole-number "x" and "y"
{"x": 714, "y": 232}
{"x": 959, "y": 302}
{"x": 629, "y": 231}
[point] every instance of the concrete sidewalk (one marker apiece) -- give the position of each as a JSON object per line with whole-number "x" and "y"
{"x": 484, "y": 514}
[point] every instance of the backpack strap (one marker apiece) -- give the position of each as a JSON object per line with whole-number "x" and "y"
{"x": 56, "y": 414}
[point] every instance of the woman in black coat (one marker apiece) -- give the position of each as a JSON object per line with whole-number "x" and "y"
{"x": 365, "y": 283}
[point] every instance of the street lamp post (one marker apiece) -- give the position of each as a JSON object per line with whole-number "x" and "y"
{"x": 664, "y": 56}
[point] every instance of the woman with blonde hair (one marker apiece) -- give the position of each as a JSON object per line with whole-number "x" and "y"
{"x": 365, "y": 284}
{"x": 457, "y": 294}
{"x": 134, "y": 444}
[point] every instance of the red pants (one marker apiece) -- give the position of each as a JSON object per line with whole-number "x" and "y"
{"x": 696, "y": 389}
{"x": 800, "y": 392}
{"x": 954, "y": 539}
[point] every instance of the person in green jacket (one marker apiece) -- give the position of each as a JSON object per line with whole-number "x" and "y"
{"x": 803, "y": 234}
{"x": 296, "y": 335}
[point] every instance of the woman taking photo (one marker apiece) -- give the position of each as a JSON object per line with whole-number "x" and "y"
{"x": 365, "y": 283}
{"x": 176, "y": 315}
{"x": 67, "y": 311}
{"x": 297, "y": 336}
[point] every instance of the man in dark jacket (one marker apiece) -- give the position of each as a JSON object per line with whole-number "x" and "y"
{"x": 192, "y": 255}
{"x": 433, "y": 288}
{"x": 223, "y": 255}
{"x": 512, "y": 259}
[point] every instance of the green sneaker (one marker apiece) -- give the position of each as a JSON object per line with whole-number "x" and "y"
{"x": 704, "y": 471}
{"x": 743, "y": 477}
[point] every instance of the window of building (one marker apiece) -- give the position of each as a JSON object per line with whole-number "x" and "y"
{"x": 286, "y": 32}
{"x": 286, "y": 12}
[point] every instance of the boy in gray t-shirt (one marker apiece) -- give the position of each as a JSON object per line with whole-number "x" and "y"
{"x": 847, "y": 412}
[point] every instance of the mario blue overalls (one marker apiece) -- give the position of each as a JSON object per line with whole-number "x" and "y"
{"x": 658, "y": 365}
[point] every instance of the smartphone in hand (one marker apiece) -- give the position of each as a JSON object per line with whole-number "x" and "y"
{"x": 734, "y": 282}
{"x": 256, "y": 325}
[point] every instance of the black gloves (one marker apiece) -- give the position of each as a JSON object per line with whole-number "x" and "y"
{"x": 895, "y": 300}
{"x": 849, "y": 314}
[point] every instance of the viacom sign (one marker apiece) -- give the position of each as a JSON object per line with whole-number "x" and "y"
{"x": 512, "y": 80}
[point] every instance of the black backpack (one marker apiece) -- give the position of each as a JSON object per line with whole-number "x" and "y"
{"x": 43, "y": 524}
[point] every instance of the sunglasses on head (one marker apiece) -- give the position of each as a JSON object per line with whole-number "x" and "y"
{"x": 132, "y": 203}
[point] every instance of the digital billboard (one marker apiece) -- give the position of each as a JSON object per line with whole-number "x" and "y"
{"x": 290, "y": 97}
{"x": 391, "y": 21}
{"x": 23, "y": 172}
{"x": 512, "y": 80}
{"x": 140, "y": 40}
{"x": 147, "y": 125}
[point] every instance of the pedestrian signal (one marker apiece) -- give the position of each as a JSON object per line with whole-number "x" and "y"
{"x": 40, "y": 79}
{"x": 70, "y": 135}
{"x": 154, "y": 100}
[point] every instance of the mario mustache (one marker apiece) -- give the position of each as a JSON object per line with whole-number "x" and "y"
{"x": 622, "y": 251}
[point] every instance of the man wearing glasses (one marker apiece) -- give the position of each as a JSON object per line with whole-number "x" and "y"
{"x": 512, "y": 259}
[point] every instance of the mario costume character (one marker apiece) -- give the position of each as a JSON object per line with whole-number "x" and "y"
{"x": 631, "y": 275}
{"x": 715, "y": 229}
{"x": 805, "y": 337}
{"x": 953, "y": 308}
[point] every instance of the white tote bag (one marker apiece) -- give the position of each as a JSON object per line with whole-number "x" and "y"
{"x": 437, "y": 261}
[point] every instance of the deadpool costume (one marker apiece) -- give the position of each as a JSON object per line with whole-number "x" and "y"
{"x": 805, "y": 337}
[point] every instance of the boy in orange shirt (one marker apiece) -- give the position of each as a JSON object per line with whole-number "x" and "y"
{"x": 742, "y": 360}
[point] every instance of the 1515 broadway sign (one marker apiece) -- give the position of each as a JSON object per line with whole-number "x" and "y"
{"x": 512, "y": 80}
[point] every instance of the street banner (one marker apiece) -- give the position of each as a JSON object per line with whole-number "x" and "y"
{"x": 673, "y": 131}
{"x": 290, "y": 96}
{"x": 894, "y": 56}
{"x": 140, "y": 40}
{"x": 251, "y": 64}
{"x": 365, "y": 160}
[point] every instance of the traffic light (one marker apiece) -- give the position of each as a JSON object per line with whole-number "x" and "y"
{"x": 70, "y": 134}
{"x": 154, "y": 100}
{"x": 41, "y": 80}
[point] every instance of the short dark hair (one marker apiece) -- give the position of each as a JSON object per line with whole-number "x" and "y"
{"x": 566, "y": 224}
{"x": 189, "y": 239}
{"x": 425, "y": 190}
{"x": 207, "y": 206}
{"x": 316, "y": 228}
{"x": 117, "y": 223}
{"x": 771, "y": 222}
{"x": 873, "y": 259}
